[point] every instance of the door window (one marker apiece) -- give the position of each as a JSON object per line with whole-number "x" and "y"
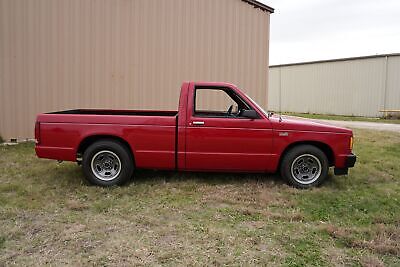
{"x": 218, "y": 103}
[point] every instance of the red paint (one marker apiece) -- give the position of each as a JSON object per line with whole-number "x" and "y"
{"x": 221, "y": 144}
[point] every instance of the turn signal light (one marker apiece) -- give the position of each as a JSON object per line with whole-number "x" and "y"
{"x": 351, "y": 142}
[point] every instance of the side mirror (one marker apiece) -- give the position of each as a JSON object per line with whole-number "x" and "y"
{"x": 250, "y": 114}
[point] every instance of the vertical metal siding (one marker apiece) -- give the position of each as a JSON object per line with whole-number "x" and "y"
{"x": 125, "y": 54}
{"x": 392, "y": 98}
{"x": 360, "y": 87}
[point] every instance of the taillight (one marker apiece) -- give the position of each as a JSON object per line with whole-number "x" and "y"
{"x": 37, "y": 133}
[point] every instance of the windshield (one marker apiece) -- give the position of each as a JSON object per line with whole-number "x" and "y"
{"x": 257, "y": 105}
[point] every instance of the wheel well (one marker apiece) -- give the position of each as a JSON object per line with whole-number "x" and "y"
{"x": 85, "y": 143}
{"x": 324, "y": 148}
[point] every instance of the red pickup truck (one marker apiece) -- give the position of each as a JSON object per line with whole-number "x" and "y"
{"x": 230, "y": 133}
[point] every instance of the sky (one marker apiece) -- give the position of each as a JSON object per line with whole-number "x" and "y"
{"x": 310, "y": 30}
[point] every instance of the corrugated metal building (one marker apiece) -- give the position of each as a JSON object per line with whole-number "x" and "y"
{"x": 125, "y": 54}
{"x": 352, "y": 86}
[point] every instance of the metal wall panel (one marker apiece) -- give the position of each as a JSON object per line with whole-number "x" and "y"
{"x": 392, "y": 99}
{"x": 125, "y": 54}
{"x": 359, "y": 87}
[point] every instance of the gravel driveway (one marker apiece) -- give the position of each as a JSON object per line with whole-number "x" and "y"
{"x": 365, "y": 125}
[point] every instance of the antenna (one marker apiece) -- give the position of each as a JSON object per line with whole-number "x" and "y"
{"x": 280, "y": 94}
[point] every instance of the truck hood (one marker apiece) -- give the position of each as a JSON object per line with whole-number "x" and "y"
{"x": 302, "y": 124}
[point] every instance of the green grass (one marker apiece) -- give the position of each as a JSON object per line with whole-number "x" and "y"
{"x": 49, "y": 215}
{"x": 342, "y": 118}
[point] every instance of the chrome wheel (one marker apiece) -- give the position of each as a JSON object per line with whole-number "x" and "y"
{"x": 106, "y": 165}
{"x": 306, "y": 169}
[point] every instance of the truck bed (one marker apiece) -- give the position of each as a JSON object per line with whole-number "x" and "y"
{"x": 152, "y": 134}
{"x": 117, "y": 112}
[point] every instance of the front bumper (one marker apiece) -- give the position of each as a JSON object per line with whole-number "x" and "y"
{"x": 350, "y": 161}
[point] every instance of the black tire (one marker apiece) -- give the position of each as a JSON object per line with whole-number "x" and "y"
{"x": 110, "y": 152}
{"x": 303, "y": 175}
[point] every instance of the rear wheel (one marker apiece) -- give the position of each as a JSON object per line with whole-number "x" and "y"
{"x": 305, "y": 166}
{"x": 107, "y": 163}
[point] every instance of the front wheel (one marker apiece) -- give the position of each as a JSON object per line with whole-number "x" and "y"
{"x": 107, "y": 163}
{"x": 305, "y": 166}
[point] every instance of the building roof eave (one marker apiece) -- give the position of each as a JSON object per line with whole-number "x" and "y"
{"x": 334, "y": 60}
{"x": 259, "y": 5}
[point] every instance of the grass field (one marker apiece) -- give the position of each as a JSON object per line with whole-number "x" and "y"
{"x": 49, "y": 215}
{"x": 343, "y": 118}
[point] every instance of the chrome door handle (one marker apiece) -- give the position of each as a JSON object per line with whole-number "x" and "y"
{"x": 198, "y": 123}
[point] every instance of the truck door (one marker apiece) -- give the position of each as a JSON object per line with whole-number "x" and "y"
{"x": 219, "y": 137}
